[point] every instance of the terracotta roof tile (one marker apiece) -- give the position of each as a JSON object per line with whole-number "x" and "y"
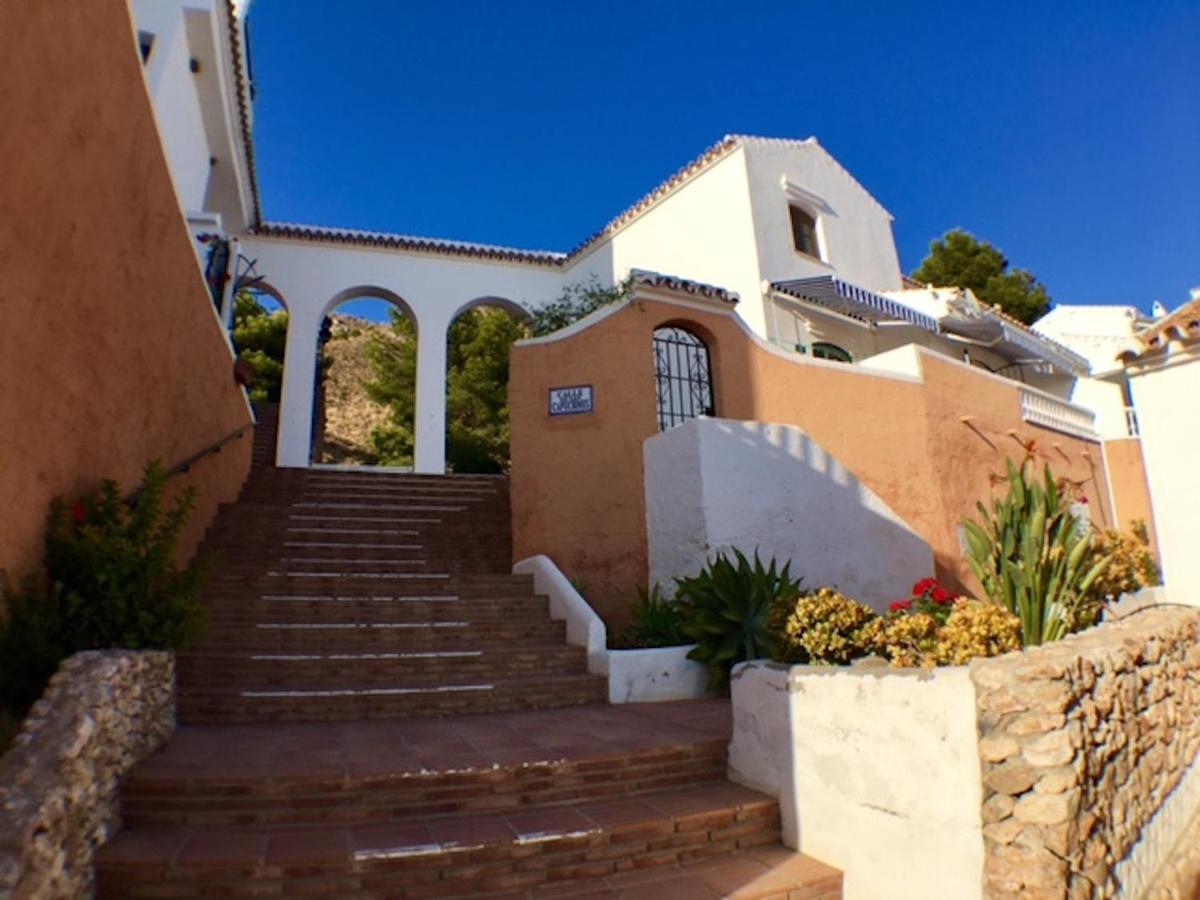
{"x": 237, "y": 53}
{"x": 388, "y": 241}
{"x": 1183, "y": 324}
{"x": 683, "y": 285}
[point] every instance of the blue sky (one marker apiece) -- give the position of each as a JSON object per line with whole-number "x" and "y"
{"x": 1068, "y": 134}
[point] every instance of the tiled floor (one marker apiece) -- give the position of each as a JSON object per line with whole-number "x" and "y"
{"x": 356, "y": 749}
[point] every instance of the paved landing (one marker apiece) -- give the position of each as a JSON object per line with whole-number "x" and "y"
{"x": 323, "y": 750}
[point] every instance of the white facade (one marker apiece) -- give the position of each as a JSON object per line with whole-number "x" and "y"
{"x": 724, "y": 219}
{"x": 1165, "y": 388}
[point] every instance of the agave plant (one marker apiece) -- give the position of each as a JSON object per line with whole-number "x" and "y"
{"x": 724, "y": 609}
{"x": 1034, "y": 557}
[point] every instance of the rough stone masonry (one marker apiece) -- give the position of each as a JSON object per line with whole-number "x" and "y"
{"x": 1082, "y": 743}
{"x": 102, "y": 712}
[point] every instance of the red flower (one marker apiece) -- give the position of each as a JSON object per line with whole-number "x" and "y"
{"x": 899, "y": 605}
{"x": 925, "y": 584}
{"x": 1082, "y": 498}
{"x": 941, "y": 595}
{"x": 78, "y": 513}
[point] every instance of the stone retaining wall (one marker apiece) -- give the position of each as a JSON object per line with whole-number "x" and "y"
{"x": 1085, "y": 750}
{"x": 102, "y": 712}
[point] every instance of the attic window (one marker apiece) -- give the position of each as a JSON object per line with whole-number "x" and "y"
{"x": 145, "y": 44}
{"x": 804, "y": 231}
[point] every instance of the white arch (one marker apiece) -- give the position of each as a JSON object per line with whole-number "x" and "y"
{"x": 348, "y": 295}
{"x": 518, "y": 310}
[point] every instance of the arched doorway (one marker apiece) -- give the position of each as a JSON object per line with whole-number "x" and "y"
{"x": 366, "y": 377}
{"x": 259, "y": 331}
{"x": 683, "y": 376}
{"x": 477, "y": 346}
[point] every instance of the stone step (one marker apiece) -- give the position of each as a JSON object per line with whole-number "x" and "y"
{"x": 447, "y": 856}
{"x": 385, "y": 608}
{"x": 322, "y": 703}
{"x": 221, "y": 583}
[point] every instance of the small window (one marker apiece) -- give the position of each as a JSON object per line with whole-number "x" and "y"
{"x": 804, "y": 232}
{"x": 825, "y": 350}
{"x": 145, "y": 44}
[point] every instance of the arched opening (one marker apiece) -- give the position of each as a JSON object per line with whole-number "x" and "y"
{"x": 364, "y": 402}
{"x": 260, "y": 329}
{"x": 477, "y": 346}
{"x": 683, "y": 376}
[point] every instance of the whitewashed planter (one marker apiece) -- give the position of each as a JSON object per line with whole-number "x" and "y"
{"x": 659, "y": 673}
{"x": 634, "y": 676}
{"x": 876, "y": 771}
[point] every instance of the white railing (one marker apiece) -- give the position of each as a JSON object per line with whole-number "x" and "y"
{"x": 1131, "y": 422}
{"x": 1050, "y": 412}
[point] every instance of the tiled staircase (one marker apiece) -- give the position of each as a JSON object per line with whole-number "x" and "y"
{"x": 380, "y": 709}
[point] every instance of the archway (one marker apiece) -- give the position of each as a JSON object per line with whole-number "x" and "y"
{"x": 366, "y": 378}
{"x": 260, "y": 333}
{"x": 478, "y": 340}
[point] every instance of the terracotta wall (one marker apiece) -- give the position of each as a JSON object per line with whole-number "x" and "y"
{"x": 577, "y": 491}
{"x": 109, "y": 351}
{"x": 1131, "y": 491}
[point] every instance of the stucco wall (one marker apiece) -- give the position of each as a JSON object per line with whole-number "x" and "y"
{"x": 1165, "y": 392}
{"x": 1131, "y": 492}
{"x": 715, "y": 484}
{"x": 925, "y": 445}
{"x": 111, "y": 353}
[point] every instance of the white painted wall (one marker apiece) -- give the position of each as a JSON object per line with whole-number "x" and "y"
{"x": 713, "y": 484}
{"x": 703, "y": 231}
{"x": 1164, "y": 393}
{"x": 855, "y": 231}
{"x": 876, "y": 770}
{"x": 1107, "y": 400}
{"x": 176, "y": 104}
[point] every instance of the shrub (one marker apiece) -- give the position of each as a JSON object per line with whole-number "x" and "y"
{"x": 823, "y": 627}
{"x": 111, "y": 582}
{"x": 977, "y": 628}
{"x": 904, "y": 638}
{"x": 1131, "y": 566}
{"x": 1032, "y": 557}
{"x": 724, "y": 609}
{"x": 656, "y": 621}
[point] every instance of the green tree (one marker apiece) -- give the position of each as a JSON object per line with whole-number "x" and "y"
{"x": 393, "y": 357}
{"x": 261, "y": 339}
{"x": 958, "y": 259}
{"x": 576, "y": 301}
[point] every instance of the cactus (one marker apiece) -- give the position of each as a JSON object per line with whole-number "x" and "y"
{"x": 1034, "y": 558}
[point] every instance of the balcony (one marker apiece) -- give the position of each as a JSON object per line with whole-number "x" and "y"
{"x": 1042, "y": 409}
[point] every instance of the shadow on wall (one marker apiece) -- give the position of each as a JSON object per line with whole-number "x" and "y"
{"x": 712, "y": 484}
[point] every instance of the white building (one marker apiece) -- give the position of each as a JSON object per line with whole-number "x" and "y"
{"x": 806, "y": 247}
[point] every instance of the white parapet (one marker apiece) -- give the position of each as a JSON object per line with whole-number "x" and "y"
{"x": 876, "y": 770}
{"x": 714, "y": 484}
{"x": 634, "y": 676}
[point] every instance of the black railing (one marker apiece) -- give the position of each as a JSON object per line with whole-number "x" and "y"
{"x": 182, "y": 467}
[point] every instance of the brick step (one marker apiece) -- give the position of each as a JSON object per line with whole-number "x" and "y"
{"x": 366, "y": 638}
{"x": 326, "y": 538}
{"x": 413, "y": 608}
{"x": 424, "y": 582}
{"x": 390, "y": 668}
{"x": 447, "y": 856}
{"x": 348, "y": 565}
{"x": 325, "y": 704}
{"x": 366, "y": 792}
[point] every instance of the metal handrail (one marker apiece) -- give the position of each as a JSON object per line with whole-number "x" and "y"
{"x": 182, "y": 467}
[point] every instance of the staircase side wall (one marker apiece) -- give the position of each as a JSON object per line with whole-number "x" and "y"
{"x": 111, "y": 353}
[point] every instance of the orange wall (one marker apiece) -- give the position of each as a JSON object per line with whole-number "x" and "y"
{"x": 1131, "y": 491}
{"x": 577, "y": 491}
{"x": 109, "y": 351}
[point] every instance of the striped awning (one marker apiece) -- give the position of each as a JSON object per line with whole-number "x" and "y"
{"x": 850, "y": 300}
{"x": 1019, "y": 346}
